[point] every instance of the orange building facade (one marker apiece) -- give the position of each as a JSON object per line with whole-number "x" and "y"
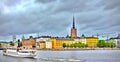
{"x": 56, "y": 44}
{"x": 42, "y": 44}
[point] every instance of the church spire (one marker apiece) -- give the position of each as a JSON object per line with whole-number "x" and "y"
{"x": 73, "y": 30}
{"x": 73, "y": 23}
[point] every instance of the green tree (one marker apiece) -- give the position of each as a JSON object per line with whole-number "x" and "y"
{"x": 64, "y": 45}
{"x": 67, "y": 45}
{"x": 103, "y": 43}
{"x": 68, "y": 36}
{"x": 21, "y": 44}
{"x": 0, "y": 45}
{"x": 83, "y": 36}
{"x": 86, "y": 45}
{"x": 71, "y": 45}
{"x": 75, "y": 45}
{"x": 112, "y": 44}
{"x": 11, "y": 43}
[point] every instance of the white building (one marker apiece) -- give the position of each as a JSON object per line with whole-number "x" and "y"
{"x": 116, "y": 41}
{"x": 47, "y": 40}
{"x": 83, "y": 40}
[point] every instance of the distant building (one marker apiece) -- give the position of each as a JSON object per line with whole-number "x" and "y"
{"x": 42, "y": 45}
{"x": 43, "y": 40}
{"x": 91, "y": 41}
{"x": 73, "y": 30}
{"x": 116, "y": 40}
{"x": 28, "y": 43}
{"x": 56, "y": 43}
{"x": 83, "y": 39}
{"x": 4, "y": 44}
{"x": 66, "y": 40}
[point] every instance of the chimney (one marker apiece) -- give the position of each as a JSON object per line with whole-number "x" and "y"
{"x": 18, "y": 43}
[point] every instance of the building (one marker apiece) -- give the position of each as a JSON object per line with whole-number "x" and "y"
{"x": 44, "y": 39}
{"x": 83, "y": 39}
{"x": 116, "y": 40}
{"x": 118, "y": 43}
{"x": 4, "y": 44}
{"x": 66, "y": 40}
{"x": 91, "y": 41}
{"x": 48, "y": 44}
{"x": 56, "y": 43}
{"x": 28, "y": 43}
{"x": 42, "y": 45}
{"x": 73, "y": 30}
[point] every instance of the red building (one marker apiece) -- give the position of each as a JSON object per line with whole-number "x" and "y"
{"x": 28, "y": 43}
{"x": 73, "y": 30}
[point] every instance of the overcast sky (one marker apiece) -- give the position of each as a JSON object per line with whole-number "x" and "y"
{"x": 54, "y": 17}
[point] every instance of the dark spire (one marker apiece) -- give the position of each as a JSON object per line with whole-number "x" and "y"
{"x": 73, "y": 23}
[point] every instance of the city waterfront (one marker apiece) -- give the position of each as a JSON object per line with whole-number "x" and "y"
{"x": 68, "y": 56}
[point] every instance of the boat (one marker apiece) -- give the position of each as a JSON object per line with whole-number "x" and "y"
{"x": 28, "y": 53}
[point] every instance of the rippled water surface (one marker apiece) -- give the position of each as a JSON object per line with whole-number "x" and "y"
{"x": 69, "y": 56}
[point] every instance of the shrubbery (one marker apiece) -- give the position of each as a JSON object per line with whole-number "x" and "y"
{"x": 75, "y": 45}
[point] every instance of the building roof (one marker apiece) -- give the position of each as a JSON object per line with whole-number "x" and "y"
{"x": 65, "y": 39}
{"x": 90, "y": 37}
{"x": 45, "y": 37}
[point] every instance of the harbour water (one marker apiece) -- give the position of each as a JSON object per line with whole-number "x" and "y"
{"x": 69, "y": 56}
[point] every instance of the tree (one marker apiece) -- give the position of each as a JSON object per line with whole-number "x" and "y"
{"x": 67, "y": 45}
{"x": 21, "y": 44}
{"x": 112, "y": 44}
{"x": 75, "y": 45}
{"x": 68, "y": 36}
{"x": 102, "y": 43}
{"x": 11, "y": 43}
{"x": 0, "y": 45}
{"x": 71, "y": 45}
{"x": 86, "y": 45}
{"x": 64, "y": 45}
{"x": 83, "y": 36}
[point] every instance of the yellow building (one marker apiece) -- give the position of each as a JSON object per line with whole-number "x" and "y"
{"x": 57, "y": 43}
{"x": 67, "y": 41}
{"x": 91, "y": 41}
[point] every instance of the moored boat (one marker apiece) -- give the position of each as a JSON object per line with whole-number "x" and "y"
{"x": 29, "y": 53}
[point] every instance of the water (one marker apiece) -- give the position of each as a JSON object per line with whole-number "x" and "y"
{"x": 69, "y": 56}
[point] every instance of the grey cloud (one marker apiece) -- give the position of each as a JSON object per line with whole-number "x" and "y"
{"x": 54, "y": 17}
{"x": 44, "y": 1}
{"x": 110, "y": 4}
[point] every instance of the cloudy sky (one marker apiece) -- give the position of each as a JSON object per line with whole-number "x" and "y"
{"x": 54, "y": 17}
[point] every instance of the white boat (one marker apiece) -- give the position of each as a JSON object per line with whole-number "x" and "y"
{"x": 19, "y": 53}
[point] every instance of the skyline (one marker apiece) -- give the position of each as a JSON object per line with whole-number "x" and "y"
{"x": 54, "y": 17}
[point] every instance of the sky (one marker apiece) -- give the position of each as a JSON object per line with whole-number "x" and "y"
{"x": 54, "y": 17}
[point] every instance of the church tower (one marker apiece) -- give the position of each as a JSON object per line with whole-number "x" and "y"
{"x": 73, "y": 30}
